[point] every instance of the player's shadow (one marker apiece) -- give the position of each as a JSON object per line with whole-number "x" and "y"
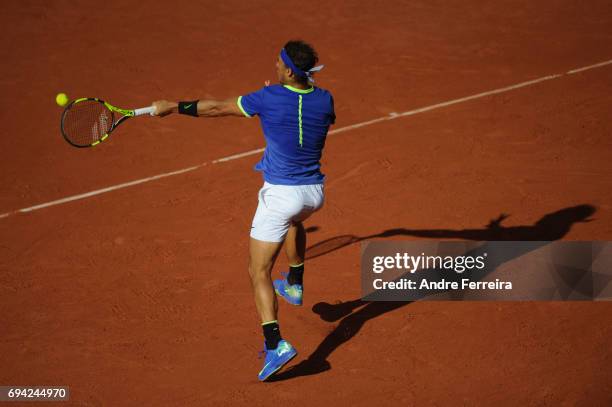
{"x": 355, "y": 313}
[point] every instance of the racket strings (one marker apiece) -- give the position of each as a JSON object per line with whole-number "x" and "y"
{"x": 87, "y": 122}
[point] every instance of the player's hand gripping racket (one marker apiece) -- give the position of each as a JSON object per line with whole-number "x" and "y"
{"x": 87, "y": 122}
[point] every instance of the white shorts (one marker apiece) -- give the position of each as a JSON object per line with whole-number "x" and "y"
{"x": 280, "y": 205}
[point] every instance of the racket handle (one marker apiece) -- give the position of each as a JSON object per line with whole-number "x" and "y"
{"x": 144, "y": 110}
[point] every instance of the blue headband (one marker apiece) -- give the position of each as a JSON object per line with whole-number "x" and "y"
{"x": 289, "y": 63}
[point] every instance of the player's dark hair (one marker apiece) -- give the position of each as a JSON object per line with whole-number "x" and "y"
{"x": 303, "y": 56}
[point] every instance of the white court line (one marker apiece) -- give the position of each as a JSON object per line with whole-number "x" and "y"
{"x": 236, "y": 156}
{"x": 101, "y": 191}
{"x": 391, "y": 116}
{"x": 586, "y": 68}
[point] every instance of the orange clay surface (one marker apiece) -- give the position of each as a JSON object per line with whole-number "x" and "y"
{"x": 140, "y": 297}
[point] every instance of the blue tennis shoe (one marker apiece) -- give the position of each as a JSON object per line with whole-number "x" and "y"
{"x": 291, "y": 293}
{"x": 276, "y": 359}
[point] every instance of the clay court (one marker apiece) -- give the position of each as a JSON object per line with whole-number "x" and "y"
{"x": 140, "y": 296}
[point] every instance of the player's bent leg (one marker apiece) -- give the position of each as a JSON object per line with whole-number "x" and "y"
{"x": 291, "y": 287}
{"x": 295, "y": 243}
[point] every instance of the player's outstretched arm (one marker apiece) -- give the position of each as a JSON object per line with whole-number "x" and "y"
{"x": 206, "y": 108}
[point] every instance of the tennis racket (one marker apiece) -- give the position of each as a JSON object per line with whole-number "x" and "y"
{"x": 87, "y": 122}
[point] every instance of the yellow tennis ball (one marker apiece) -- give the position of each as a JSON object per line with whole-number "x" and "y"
{"x": 61, "y": 99}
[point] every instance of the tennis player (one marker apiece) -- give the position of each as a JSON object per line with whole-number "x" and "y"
{"x": 295, "y": 117}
